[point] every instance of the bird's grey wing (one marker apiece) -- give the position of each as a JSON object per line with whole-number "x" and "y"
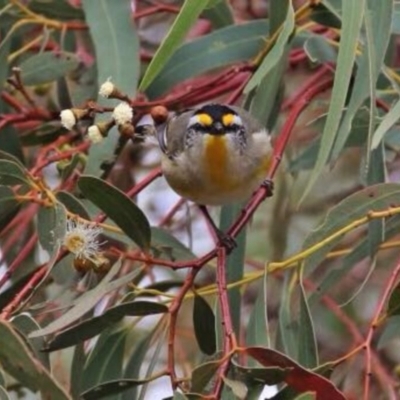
{"x": 172, "y": 138}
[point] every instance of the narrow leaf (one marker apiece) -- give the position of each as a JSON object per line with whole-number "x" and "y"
{"x": 17, "y": 360}
{"x": 352, "y": 19}
{"x": 307, "y": 342}
{"x": 47, "y": 67}
{"x": 204, "y": 325}
{"x": 187, "y": 16}
{"x": 117, "y": 57}
{"x": 387, "y": 122}
{"x": 374, "y": 198}
{"x": 52, "y": 225}
{"x": 110, "y": 388}
{"x": 87, "y": 301}
{"x": 217, "y": 49}
{"x": 377, "y": 15}
{"x": 94, "y": 326}
{"x": 118, "y": 207}
{"x": 11, "y": 173}
{"x": 202, "y": 375}
{"x": 276, "y": 53}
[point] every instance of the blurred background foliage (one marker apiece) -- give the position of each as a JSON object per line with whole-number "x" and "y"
{"x": 313, "y": 284}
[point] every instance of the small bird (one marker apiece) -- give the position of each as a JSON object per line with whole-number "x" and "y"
{"x": 216, "y": 154}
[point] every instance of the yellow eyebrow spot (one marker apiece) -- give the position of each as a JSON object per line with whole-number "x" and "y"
{"x": 227, "y": 119}
{"x": 204, "y": 119}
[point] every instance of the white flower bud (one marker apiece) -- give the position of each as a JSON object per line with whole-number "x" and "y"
{"x": 122, "y": 113}
{"x": 68, "y": 119}
{"x": 81, "y": 239}
{"x": 106, "y": 88}
{"x": 94, "y": 134}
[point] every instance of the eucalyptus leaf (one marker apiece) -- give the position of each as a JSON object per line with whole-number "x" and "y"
{"x": 118, "y": 207}
{"x": 187, "y": 16}
{"x": 276, "y": 52}
{"x": 375, "y": 198}
{"x": 18, "y": 361}
{"x": 352, "y": 19}
{"x": 204, "y": 325}
{"x": 47, "y": 67}
{"x": 52, "y": 226}
{"x": 217, "y": 49}
{"x": 12, "y": 173}
{"x": 91, "y": 327}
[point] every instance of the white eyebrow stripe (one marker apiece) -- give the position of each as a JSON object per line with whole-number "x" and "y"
{"x": 237, "y": 120}
{"x": 193, "y": 120}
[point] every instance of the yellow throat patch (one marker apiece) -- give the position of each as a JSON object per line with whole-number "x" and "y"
{"x": 216, "y": 159}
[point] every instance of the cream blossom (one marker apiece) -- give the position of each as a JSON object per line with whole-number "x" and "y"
{"x": 122, "y": 113}
{"x": 68, "y": 119}
{"x": 106, "y": 88}
{"x": 94, "y": 134}
{"x": 81, "y": 239}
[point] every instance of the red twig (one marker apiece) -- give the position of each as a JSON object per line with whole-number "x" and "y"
{"x": 374, "y": 323}
{"x": 25, "y": 251}
{"x": 24, "y": 292}
{"x": 229, "y": 338}
{"x": 173, "y": 312}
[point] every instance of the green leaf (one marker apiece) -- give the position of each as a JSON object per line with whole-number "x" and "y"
{"x": 25, "y": 324}
{"x": 235, "y": 262}
{"x": 257, "y": 327}
{"x": 387, "y": 122}
{"x": 238, "y": 388}
{"x": 287, "y": 337}
{"x": 219, "y": 48}
{"x": 352, "y": 19}
{"x": 3, "y": 394}
{"x": 52, "y": 226}
{"x": 187, "y": 16}
{"x": 391, "y": 331}
{"x": 118, "y": 207}
{"x": 363, "y": 249}
{"x": 56, "y": 9}
{"x": 378, "y": 15}
{"x": 88, "y": 300}
{"x": 318, "y": 49}
{"x": 43, "y": 134}
{"x": 307, "y": 342}
{"x": 11, "y": 140}
{"x": 77, "y": 367}
{"x": 47, "y": 67}
{"x": 393, "y": 307}
{"x": 9, "y": 205}
{"x": 72, "y": 204}
{"x": 220, "y": 14}
{"x": 17, "y": 360}
{"x": 110, "y": 388}
{"x": 118, "y": 58}
{"x": 106, "y": 359}
{"x": 162, "y": 241}
{"x": 132, "y": 368}
{"x": 202, "y": 375}
{"x": 5, "y": 47}
{"x": 12, "y": 174}
{"x": 326, "y": 15}
{"x": 375, "y": 198}
{"x": 94, "y": 326}
{"x": 276, "y": 52}
{"x": 204, "y": 325}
